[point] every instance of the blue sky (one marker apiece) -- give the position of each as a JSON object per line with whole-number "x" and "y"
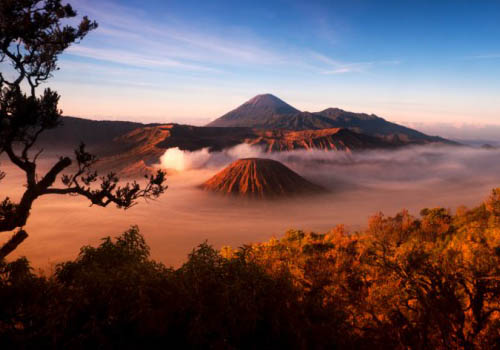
{"x": 191, "y": 61}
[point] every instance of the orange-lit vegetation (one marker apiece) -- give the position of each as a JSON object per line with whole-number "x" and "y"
{"x": 431, "y": 282}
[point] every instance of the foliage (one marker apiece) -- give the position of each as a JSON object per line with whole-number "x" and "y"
{"x": 431, "y": 282}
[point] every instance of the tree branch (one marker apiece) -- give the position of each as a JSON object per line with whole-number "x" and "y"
{"x": 32, "y": 36}
{"x": 12, "y": 243}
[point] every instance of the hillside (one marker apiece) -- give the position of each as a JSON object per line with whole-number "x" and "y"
{"x": 333, "y": 139}
{"x": 371, "y": 124}
{"x": 137, "y": 153}
{"x": 139, "y": 149}
{"x": 254, "y": 111}
{"x": 262, "y": 112}
{"x": 259, "y": 178}
{"x": 97, "y": 134}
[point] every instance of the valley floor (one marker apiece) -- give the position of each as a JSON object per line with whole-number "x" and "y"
{"x": 185, "y": 216}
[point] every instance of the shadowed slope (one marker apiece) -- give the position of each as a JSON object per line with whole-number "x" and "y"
{"x": 373, "y": 125}
{"x": 270, "y": 113}
{"x": 259, "y": 178}
{"x": 97, "y": 134}
{"x": 254, "y": 111}
{"x": 138, "y": 151}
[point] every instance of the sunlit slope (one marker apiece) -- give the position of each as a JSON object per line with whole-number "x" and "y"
{"x": 259, "y": 178}
{"x": 142, "y": 147}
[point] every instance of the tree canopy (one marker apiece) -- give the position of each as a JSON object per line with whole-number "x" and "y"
{"x": 419, "y": 283}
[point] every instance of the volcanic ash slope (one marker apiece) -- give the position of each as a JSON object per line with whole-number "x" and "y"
{"x": 260, "y": 178}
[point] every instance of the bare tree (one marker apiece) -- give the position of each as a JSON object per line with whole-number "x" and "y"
{"x": 32, "y": 36}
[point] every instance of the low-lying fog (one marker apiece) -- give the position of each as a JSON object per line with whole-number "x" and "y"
{"x": 360, "y": 185}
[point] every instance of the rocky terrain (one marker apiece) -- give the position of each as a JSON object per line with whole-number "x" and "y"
{"x": 333, "y": 139}
{"x": 259, "y": 178}
{"x": 142, "y": 147}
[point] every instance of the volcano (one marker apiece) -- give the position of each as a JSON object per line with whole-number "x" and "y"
{"x": 260, "y": 178}
{"x": 255, "y": 111}
{"x": 268, "y": 112}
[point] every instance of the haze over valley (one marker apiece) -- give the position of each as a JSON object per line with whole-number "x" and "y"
{"x": 386, "y": 168}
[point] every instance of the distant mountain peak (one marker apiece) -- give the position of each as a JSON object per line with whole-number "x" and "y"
{"x": 254, "y": 110}
{"x": 268, "y": 112}
{"x": 269, "y": 100}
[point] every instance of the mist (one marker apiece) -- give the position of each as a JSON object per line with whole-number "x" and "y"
{"x": 404, "y": 168}
{"x": 469, "y": 133}
{"x": 359, "y": 185}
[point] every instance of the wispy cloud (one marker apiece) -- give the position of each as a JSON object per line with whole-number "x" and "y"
{"x": 486, "y": 56}
{"x": 127, "y": 36}
{"x": 138, "y": 60}
{"x": 348, "y": 68}
{"x": 339, "y": 67}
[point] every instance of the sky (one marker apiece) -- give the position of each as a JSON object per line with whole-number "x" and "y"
{"x": 192, "y": 61}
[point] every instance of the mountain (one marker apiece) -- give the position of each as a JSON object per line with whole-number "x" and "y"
{"x": 131, "y": 148}
{"x": 333, "y": 139}
{"x": 270, "y": 113}
{"x": 371, "y": 124}
{"x": 294, "y": 121}
{"x": 254, "y": 111}
{"x": 97, "y": 134}
{"x": 259, "y": 178}
{"x": 136, "y": 151}
{"x": 192, "y": 138}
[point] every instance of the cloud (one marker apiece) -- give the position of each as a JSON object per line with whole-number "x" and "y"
{"x": 475, "y": 134}
{"x": 486, "y": 56}
{"x": 409, "y": 167}
{"x": 127, "y": 35}
{"x": 178, "y": 160}
{"x": 127, "y": 58}
{"x": 339, "y": 67}
{"x": 351, "y": 68}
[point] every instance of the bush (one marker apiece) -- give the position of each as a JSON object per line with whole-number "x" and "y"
{"x": 404, "y": 283}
